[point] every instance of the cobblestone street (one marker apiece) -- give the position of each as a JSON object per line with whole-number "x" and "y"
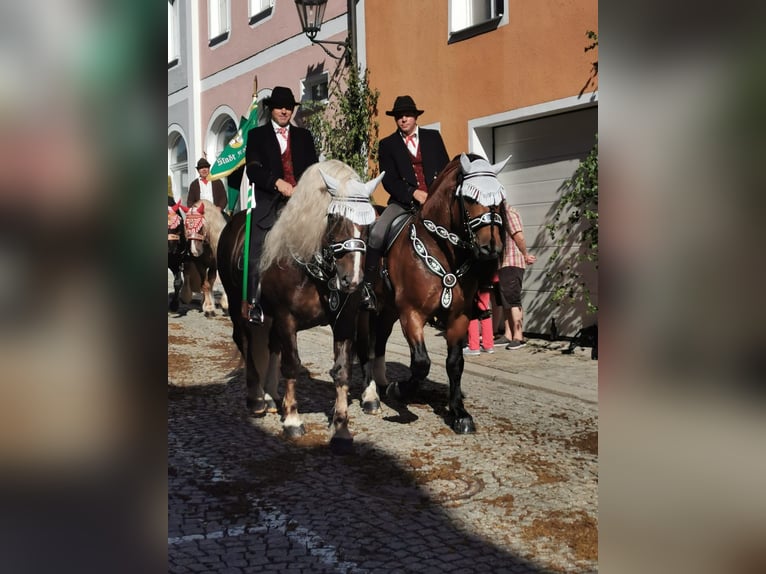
{"x": 520, "y": 495}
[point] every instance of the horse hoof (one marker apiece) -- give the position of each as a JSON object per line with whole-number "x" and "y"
{"x": 464, "y": 425}
{"x": 341, "y": 446}
{"x": 257, "y": 407}
{"x": 392, "y": 392}
{"x": 294, "y": 432}
{"x": 371, "y": 407}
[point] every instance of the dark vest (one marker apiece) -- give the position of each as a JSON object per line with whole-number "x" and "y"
{"x": 287, "y": 165}
{"x": 417, "y": 165}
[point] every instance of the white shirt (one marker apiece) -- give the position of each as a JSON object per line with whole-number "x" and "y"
{"x": 282, "y": 139}
{"x": 412, "y": 144}
{"x": 206, "y": 190}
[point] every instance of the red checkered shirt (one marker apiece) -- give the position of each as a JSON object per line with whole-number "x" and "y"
{"x": 512, "y": 256}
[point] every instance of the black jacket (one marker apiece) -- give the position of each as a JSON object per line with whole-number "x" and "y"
{"x": 400, "y": 181}
{"x": 264, "y": 167}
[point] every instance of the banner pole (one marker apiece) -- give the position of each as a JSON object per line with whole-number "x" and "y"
{"x": 248, "y": 216}
{"x": 246, "y": 255}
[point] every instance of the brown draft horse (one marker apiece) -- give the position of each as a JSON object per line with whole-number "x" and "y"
{"x": 176, "y": 248}
{"x": 203, "y": 226}
{"x": 433, "y": 269}
{"x": 311, "y": 268}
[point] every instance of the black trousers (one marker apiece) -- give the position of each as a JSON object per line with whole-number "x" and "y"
{"x": 257, "y": 235}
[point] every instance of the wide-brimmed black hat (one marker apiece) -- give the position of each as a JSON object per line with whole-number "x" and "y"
{"x": 202, "y": 162}
{"x": 281, "y": 97}
{"x": 404, "y": 105}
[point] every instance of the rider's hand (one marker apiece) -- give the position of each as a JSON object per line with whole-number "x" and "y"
{"x": 284, "y": 187}
{"x": 420, "y": 196}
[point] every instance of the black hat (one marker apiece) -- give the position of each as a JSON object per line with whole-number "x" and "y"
{"x": 404, "y": 105}
{"x": 281, "y": 97}
{"x": 202, "y": 162}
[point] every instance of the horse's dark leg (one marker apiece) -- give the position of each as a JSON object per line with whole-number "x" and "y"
{"x": 208, "y": 300}
{"x": 459, "y": 418}
{"x": 284, "y": 331}
{"x": 382, "y": 327}
{"x": 341, "y": 441}
{"x": 256, "y": 361}
{"x": 176, "y": 268}
{"x": 420, "y": 363}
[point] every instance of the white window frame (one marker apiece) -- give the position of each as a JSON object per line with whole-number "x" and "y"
{"x": 219, "y": 18}
{"x": 468, "y": 18}
{"x": 255, "y": 7}
{"x": 174, "y": 32}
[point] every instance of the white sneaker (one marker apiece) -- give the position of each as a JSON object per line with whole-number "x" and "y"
{"x": 471, "y": 352}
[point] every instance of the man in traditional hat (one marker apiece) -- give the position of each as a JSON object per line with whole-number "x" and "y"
{"x": 203, "y": 188}
{"x": 412, "y": 157}
{"x": 277, "y": 155}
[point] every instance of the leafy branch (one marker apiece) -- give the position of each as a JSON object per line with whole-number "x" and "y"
{"x": 345, "y": 127}
{"x": 580, "y": 199}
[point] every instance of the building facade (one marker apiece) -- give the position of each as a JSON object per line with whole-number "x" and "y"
{"x": 496, "y": 77}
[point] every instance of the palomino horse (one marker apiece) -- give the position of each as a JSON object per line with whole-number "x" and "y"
{"x": 203, "y": 225}
{"x": 311, "y": 267}
{"x": 433, "y": 269}
{"x": 176, "y": 248}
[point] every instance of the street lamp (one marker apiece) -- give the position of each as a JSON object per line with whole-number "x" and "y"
{"x": 311, "y": 13}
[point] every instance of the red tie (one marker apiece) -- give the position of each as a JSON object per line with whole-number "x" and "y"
{"x": 410, "y": 139}
{"x": 282, "y": 132}
{"x": 204, "y": 180}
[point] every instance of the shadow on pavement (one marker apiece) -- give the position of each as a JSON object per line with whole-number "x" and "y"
{"x": 241, "y": 498}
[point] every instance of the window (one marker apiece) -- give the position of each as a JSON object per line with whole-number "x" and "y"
{"x": 173, "y": 33}
{"x": 225, "y": 129}
{"x": 260, "y": 9}
{"x": 315, "y": 88}
{"x": 178, "y": 165}
{"x": 218, "y": 16}
{"x": 470, "y": 18}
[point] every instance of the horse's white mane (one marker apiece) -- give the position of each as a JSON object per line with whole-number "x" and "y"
{"x": 215, "y": 222}
{"x": 301, "y": 225}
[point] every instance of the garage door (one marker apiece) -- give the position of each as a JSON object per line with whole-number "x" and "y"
{"x": 546, "y": 151}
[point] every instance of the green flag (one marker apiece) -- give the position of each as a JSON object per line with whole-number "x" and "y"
{"x": 233, "y": 155}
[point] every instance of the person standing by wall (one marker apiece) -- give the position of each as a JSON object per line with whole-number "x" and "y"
{"x": 480, "y": 333}
{"x": 411, "y": 158}
{"x": 203, "y": 188}
{"x": 511, "y": 275}
{"x": 277, "y": 155}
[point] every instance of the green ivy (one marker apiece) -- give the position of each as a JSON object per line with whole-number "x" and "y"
{"x": 580, "y": 195}
{"x": 345, "y": 127}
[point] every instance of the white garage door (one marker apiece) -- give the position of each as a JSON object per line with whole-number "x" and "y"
{"x": 546, "y": 151}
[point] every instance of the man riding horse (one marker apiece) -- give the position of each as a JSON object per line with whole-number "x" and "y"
{"x": 277, "y": 155}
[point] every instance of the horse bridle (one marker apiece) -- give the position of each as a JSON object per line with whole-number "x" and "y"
{"x": 323, "y": 265}
{"x": 195, "y": 221}
{"x": 470, "y": 226}
{"x": 489, "y": 218}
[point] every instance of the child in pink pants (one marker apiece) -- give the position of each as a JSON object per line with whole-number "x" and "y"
{"x": 483, "y": 324}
